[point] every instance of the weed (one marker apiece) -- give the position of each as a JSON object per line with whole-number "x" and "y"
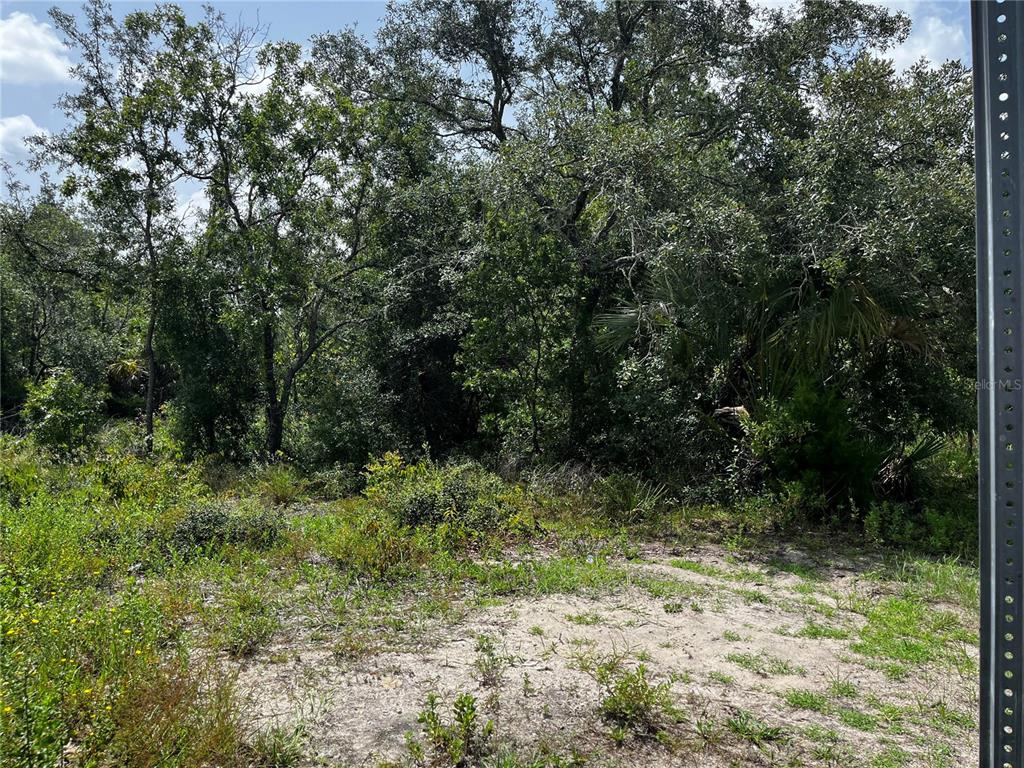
{"x": 817, "y": 631}
{"x": 277, "y": 484}
{"x": 490, "y": 665}
{"x": 584, "y": 619}
{"x": 633, "y": 702}
{"x": 628, "y": 500}
{"x": 458, "y": 739}
{"x": 799, "y": 699}
{"x": 892, "y": 757}
{"x": 842, "y": 689}
{"x": 277, "y": 747}
{"x": 250, "y": 622}
{"x": 764, "y": 664}
{"x": 749, "y": 728}
{"x": 856, "y": 719}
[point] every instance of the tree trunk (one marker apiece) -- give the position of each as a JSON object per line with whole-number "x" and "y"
{"x": 150, "y": 379}
{"x": 151, "y": 325}
{"x": 274, "y": 408}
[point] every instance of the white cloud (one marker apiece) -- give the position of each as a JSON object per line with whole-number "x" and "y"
{"x": 933, "y": 39}
{"x": 191, "y": 209}
{"x": 933, "y": 35}
{"x": 30, "y": 51}
{"x": 13, "y": 132}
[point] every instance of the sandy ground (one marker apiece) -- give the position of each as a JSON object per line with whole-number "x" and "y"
{"x": 358, "y": 712}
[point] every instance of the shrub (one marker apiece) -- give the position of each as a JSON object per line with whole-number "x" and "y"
{"x": 335, "y": 482}
{"x": 941, "y": 517}
{"x": 20, "y": 472}
{"x": 632, "y": 702}
{"x": 209, "y": 524}
{"x": 811, "y": 439}
{"x": 204, "y": 525}
{"x": 464, "y": 496}
{"x": 626, "y": 499}
{"x": 458, "y": 740}
{"x": 277, "y": 483}
{"x": 62, "y": 414}
{"x": 365, "y": 542}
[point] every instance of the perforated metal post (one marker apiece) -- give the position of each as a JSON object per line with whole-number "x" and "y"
{"x": 998, "y": 43}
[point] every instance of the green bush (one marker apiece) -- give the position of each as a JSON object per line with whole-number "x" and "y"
{"x": 209, "y": 524}
{"x": 633, "y": 702}
{"x": 335, "y": 482}
{"x": 626, "y": 499}
{"x": 941, "y": 515}
{"x": 277, "y": 483}
{"x": 463, "y": 496}
{"x": 20, "y": 472}
{"x": 811, "y": 439}
{"x": 364, "y": 541}
{"x": 62, "y": 414}
{"x": 459, "y": 741}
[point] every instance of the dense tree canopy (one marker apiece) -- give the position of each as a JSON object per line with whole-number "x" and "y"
{"x": 581, "y": 231}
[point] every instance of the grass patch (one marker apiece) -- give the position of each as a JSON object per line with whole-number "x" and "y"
{"x": 857, "y": 719}
{"x": 842, "y": 689}
{"x": 765, "y": 665}
{"x": 748, "y": 727}
{"x": 809, "y": 700}
{"x": 816, "y": 631}
{"x": 584, "y": 619}
{"x": 904, "y": 630}
{"x": 720, "y": 677}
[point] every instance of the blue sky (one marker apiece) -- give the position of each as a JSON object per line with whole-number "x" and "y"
{"x": 33, "y": 63}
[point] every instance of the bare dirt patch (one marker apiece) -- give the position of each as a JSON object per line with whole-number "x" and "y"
{"x": 741, "y": 646}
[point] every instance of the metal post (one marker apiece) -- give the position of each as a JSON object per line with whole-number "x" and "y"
{"x": 998, "y": 45}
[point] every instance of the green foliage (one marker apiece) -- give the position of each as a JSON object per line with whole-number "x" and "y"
{"x": 90, "y": 656}
{"x": 811, "y": 440}
{"x": 698, "y": 211}
{"x": 367, "y": 541}
{"x": 62, "y": 414}
{"x": 208, "y": 525}
{"x": 800, "y": 699}
{"x": 629, "y": 500}
{"x": 940, "y": 517}
{"x": 747, "y": 726}
{"x": 632, "y": 701}
{"x": 20, "y": 471}
{"x": 462, "y": 497}
{"x": 461, "y": 739}
{"x": 277, "y": 483}
{"x": 489, "y": 664}
{"x": 277, "y": 747}
{"x": 250, "y": 620}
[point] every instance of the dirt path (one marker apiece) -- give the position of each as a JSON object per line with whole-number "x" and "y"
{"x": 767, "y": 668}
